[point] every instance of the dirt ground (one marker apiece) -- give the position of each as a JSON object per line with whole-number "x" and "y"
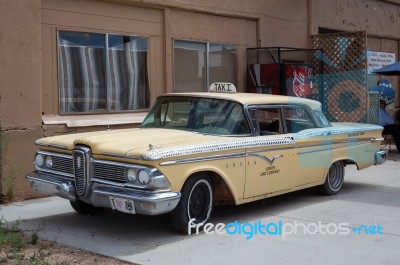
{"x": 44, "y": 252}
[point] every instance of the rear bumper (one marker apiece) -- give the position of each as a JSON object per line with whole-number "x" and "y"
{"x": 146, "y": 202}
{"x": 381, "y": 156}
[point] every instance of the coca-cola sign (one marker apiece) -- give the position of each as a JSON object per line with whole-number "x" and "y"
{"x": 298, "y": 81}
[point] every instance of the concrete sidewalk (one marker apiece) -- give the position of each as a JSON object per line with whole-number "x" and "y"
{"x": 369, "y": 197}
{"x": 394, "y": 155}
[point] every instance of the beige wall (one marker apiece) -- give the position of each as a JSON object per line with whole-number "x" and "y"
{"x": 20, "y": 64}
{"x": 20, "y": 88}
{"x": 280, "y": 22}
{"x": 186, "y": 25}
{"x": 378, "y": 18}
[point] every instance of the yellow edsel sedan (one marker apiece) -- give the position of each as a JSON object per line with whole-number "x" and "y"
{"x": 197, "y": 150}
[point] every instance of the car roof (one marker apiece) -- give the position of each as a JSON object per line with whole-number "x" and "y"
{"x": 253, "y": 98}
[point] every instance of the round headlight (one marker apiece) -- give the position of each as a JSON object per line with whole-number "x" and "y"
{"x": 131, "y": 174}
{"x": 49, "y": 162}
{"x": 144, "y": 177}
{"x": 39, "y": 160}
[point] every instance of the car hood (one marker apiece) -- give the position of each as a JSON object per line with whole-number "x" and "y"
{"x": 129, "y": 142}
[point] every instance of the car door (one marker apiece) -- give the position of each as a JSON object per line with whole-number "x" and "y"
{"x": 269, "y": 164}
{"x": 313, "y": 145}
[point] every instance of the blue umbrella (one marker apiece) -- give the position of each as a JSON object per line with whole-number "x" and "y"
{"x": 391, "y": 69}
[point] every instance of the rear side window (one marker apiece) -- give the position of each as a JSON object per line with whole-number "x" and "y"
{"x": 297, "y": 119}
{"x": 267, "y": 121}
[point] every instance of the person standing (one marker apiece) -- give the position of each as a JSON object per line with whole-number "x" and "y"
{"x": 388, "y": 123}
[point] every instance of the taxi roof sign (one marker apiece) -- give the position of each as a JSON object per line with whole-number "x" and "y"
{"x": 222, "y": 87}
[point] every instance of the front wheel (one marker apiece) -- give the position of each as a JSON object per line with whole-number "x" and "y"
{"x": 195, "y": 205}
{"x": 84, "y": 208}
{"x": 334, "y": 179}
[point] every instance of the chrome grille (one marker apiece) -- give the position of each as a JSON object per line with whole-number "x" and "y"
{"x": 109, "y": 172}
{"x": 62, "y": 164}
{"x": 80, "y": 171}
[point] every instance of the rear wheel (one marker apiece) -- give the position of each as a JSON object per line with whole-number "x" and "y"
{"x": 334, "y": 179}
{"x": 84, "y": 208}
{"x": 195, "y": 205}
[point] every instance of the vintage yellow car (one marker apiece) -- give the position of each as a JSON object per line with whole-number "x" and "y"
{"x": 197, "y": 150}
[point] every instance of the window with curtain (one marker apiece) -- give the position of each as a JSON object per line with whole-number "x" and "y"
{"x": 102, "y": 72}
{"x": 198, "y": 64}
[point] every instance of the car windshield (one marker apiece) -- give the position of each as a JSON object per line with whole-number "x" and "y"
{"x": 202, "y": 115}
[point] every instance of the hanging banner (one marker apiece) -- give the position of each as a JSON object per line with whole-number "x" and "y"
{"x": 377, "y": 60}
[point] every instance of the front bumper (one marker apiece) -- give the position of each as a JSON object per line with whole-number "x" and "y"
{"x": 146, "y": 202}
{"x": 381, "y": 156}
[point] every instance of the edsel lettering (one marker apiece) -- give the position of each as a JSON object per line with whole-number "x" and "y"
{"x": 355, "y": 134}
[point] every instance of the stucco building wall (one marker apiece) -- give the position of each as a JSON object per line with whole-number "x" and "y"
{"x": 20, "y": 91}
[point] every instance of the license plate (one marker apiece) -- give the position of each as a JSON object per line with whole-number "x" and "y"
{"x": 123, "y": 205}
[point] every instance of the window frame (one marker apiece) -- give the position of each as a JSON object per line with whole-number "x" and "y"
{"x": 281, "y": 107}
{"x": 256, "y": 127}
{"x": 207, "y": 60}
{"x": 106, "y": 72}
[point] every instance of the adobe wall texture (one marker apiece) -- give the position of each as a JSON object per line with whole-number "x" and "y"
{"x": 280, "y": 22}
{"x": 20, "y": 88}
{"x": 378, "y": 18}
